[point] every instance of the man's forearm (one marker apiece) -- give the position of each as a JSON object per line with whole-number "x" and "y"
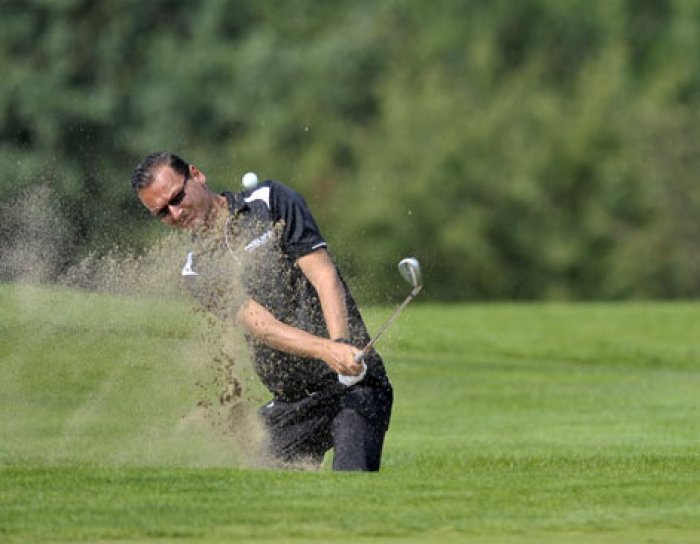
{"x": 264, "y": 327}
{"x": 332, "y": 297}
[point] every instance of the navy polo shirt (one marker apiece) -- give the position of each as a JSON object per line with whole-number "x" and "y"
{"x": 270, "y": 227}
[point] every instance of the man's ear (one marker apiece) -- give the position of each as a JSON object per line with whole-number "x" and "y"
{"x": 197, "y": 175}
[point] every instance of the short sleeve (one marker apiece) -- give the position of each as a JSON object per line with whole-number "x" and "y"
{"x": 300, "y": 234}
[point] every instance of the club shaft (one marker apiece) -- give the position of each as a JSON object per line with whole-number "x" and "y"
{"x": 389, "y": 321}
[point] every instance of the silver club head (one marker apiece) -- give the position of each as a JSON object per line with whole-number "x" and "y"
{"x": 410, "y": 270}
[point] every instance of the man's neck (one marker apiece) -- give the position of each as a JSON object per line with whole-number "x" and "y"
{"x": 218, "y": 212}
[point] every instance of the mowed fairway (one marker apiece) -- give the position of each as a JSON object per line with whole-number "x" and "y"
{"x": 512, "y": 423}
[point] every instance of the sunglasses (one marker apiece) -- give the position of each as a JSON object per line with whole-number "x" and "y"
{"x": 176, "y": 200}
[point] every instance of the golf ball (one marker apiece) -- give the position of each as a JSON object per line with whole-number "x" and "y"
{"x": 250, "y": 180}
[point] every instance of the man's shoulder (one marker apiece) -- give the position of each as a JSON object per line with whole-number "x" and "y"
{"x": 255, "y": 199}
{"x": 268, "y": 191}
{"x": 259, "y": 193}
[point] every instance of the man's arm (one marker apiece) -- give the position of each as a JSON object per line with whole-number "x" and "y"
{"x": 259, "y": 322}
{"x": 318, "y": 267}
{"x": 302, "y": 241}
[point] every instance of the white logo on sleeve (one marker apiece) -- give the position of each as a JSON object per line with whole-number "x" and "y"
{"x": 260, "y": 194}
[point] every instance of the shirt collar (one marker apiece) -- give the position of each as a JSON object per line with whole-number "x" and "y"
{"x": 236, "y": 202}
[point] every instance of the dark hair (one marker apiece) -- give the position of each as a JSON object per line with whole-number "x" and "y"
{"x": 142, "y": 175}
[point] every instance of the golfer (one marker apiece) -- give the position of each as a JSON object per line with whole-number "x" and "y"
{"x": 300, "y": 319}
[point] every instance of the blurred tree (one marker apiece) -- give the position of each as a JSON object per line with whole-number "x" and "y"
{"x": 521, "y": 148}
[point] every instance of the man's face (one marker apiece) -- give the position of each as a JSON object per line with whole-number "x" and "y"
{"x": 178, "y": 200}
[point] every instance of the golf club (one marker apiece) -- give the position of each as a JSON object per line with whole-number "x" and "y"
{"x": 411, "y": 272}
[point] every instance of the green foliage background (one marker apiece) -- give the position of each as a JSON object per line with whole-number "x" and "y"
{"x": 521, "y": 148}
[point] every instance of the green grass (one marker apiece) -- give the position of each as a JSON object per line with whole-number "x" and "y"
{"x": 512, "y": 423}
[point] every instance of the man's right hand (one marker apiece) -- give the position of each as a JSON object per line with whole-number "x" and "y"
{"x": 341, "y": 358}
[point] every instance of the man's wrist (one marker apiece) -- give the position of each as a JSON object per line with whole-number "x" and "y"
{"x": 343, "y": 340}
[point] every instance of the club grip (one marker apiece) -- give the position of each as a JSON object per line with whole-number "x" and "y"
{"x": 352, "y": 380}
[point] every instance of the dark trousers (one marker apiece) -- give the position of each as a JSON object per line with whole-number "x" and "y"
{"x": 350, "y": 420}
